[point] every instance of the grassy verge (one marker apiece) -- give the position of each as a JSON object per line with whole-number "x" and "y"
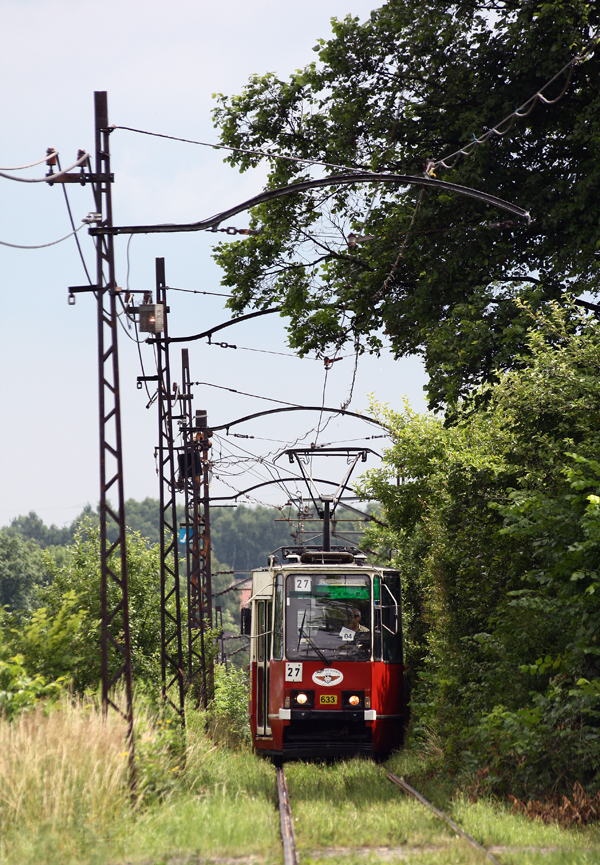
{"x": 64, "y": 794}
{"x": 494, "y": 823}
{"x": 64, "y": 799}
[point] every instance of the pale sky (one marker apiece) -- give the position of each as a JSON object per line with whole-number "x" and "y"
{"x": 160, "y": 64}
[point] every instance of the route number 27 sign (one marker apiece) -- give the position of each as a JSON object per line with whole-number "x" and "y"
{"x": 293, "y": 671}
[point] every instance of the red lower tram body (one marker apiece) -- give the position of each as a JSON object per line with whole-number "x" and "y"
{"x": 326, "y": 660}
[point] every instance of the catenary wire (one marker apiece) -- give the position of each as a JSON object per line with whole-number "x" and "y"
{"x": 48, "y": 178}
{"x": 529, "y": 105}
{"x": 243, "y": 393}
{"x": 48, "y": 156}
{"x": 194, "y": 291}
{"x": 266, "y": 351}
{"x": 269, "y": 465}
{"x": 463, "y": 151}
{"x": 243, "y": 150}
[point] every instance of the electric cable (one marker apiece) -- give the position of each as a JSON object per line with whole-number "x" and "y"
{"x": 263, "y": 461}
{"x": 243, "y": 393}
{"x": 322, "y": 407}
{"x": 42, "y": 245}
{"x": 48, "y": 156}
{"x": 194, "y": 291}
{"x": 242, "y": 149}
{"x": 400, "y": 255}
{"x": 266, "y": 351}
{"x": 522, "y": 111}
{"x": 48, "y": 178}
{"x": 64, "y": 188}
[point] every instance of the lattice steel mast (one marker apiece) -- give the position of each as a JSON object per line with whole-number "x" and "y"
{"x": 116, "y": 644}
{"x": 172, "y": 675}
{"x": 194, "y": 474}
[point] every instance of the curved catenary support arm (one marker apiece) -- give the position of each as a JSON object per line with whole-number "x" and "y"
{"x": 221, "y": 326}
{"x": 289, "y": 480}
{"x": 304, "y": 186}
{"x": 226, "y": 426}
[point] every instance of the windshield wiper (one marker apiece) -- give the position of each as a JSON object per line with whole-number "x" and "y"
{"x": 314, "y": 645}
{"x": 302, "y": 633}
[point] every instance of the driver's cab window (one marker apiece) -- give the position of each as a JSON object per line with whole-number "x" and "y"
{"x": 328, "y": 617}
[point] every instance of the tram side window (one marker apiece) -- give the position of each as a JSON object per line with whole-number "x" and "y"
{"x": 377, "y": 618}
{"x": 391, "y": 618}
{"x": 278, "y": 620}
{"x": 261, "y": 637}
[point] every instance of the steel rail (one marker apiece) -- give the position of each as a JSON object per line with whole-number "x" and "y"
{"x": 408, "y": 789}
{"x": 304, "y": 186}
{"x": 290, "y": 856}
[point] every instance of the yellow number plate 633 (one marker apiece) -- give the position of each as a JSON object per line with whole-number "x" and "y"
{"x": 328, "y": 699}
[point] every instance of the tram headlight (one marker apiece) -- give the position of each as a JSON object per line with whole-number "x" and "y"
{"x": 303, "y": 699}
{"x": 353, "y": 700}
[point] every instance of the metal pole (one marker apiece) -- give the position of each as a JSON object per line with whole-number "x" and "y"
{"x": 116, "y": 644}
{"x": 192, "y": 470}
{"x": 326, "y": 524}
{"x": 172, "y": 681}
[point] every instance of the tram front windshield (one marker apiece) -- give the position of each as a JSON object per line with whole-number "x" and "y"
{"x": 328, "y": 617}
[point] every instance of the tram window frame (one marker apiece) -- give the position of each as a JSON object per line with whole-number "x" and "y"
{"x": 278, "y": 608}
{"x": 377, "y": 618}
{"x": 388, "y": 643}
{"x": 361, "y": 650}
{"x": 261, "y": 636}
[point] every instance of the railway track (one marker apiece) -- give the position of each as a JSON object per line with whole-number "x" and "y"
{"x": 288, "y": 836}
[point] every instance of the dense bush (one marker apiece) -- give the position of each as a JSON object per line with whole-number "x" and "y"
{"x": 60, "y": 635}
{"x": 228, "y": 714}
{"x": 495, "y": 523}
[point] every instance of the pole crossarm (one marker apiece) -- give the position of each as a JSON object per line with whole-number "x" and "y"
{"x": 303, "y": 186}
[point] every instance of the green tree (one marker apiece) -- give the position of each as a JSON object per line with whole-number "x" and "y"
{"x": 33, "y": 527}
{"x": 495, "y": 525}
{"x": 61, "y": 637}
{"x": 439, "y": 274}
{"x": 245, "y": 537}
{"x": 22, "y": 567}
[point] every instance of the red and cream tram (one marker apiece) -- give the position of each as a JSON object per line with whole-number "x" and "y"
{"x": 326, "y": 656}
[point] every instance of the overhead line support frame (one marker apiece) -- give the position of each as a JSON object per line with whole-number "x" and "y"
{"x": 194, "y": 471}
{"x": 171, "y": 643}
{"x": 114, "y": 589}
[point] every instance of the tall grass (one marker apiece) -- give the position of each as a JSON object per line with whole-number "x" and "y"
{"x": 64, "y": 789}
{"x": 63, "y": 766}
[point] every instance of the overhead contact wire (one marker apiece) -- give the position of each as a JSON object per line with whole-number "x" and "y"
{"x": 248, "y": 150}
{"x": 522, "y": 111}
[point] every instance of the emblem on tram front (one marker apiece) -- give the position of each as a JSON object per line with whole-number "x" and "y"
{"x": 328, "y": 677}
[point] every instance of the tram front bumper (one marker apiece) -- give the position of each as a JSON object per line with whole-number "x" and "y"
{"x": 327, "y": 715}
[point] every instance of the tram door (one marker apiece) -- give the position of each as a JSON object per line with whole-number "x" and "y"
{"x": 264, "y": 611}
